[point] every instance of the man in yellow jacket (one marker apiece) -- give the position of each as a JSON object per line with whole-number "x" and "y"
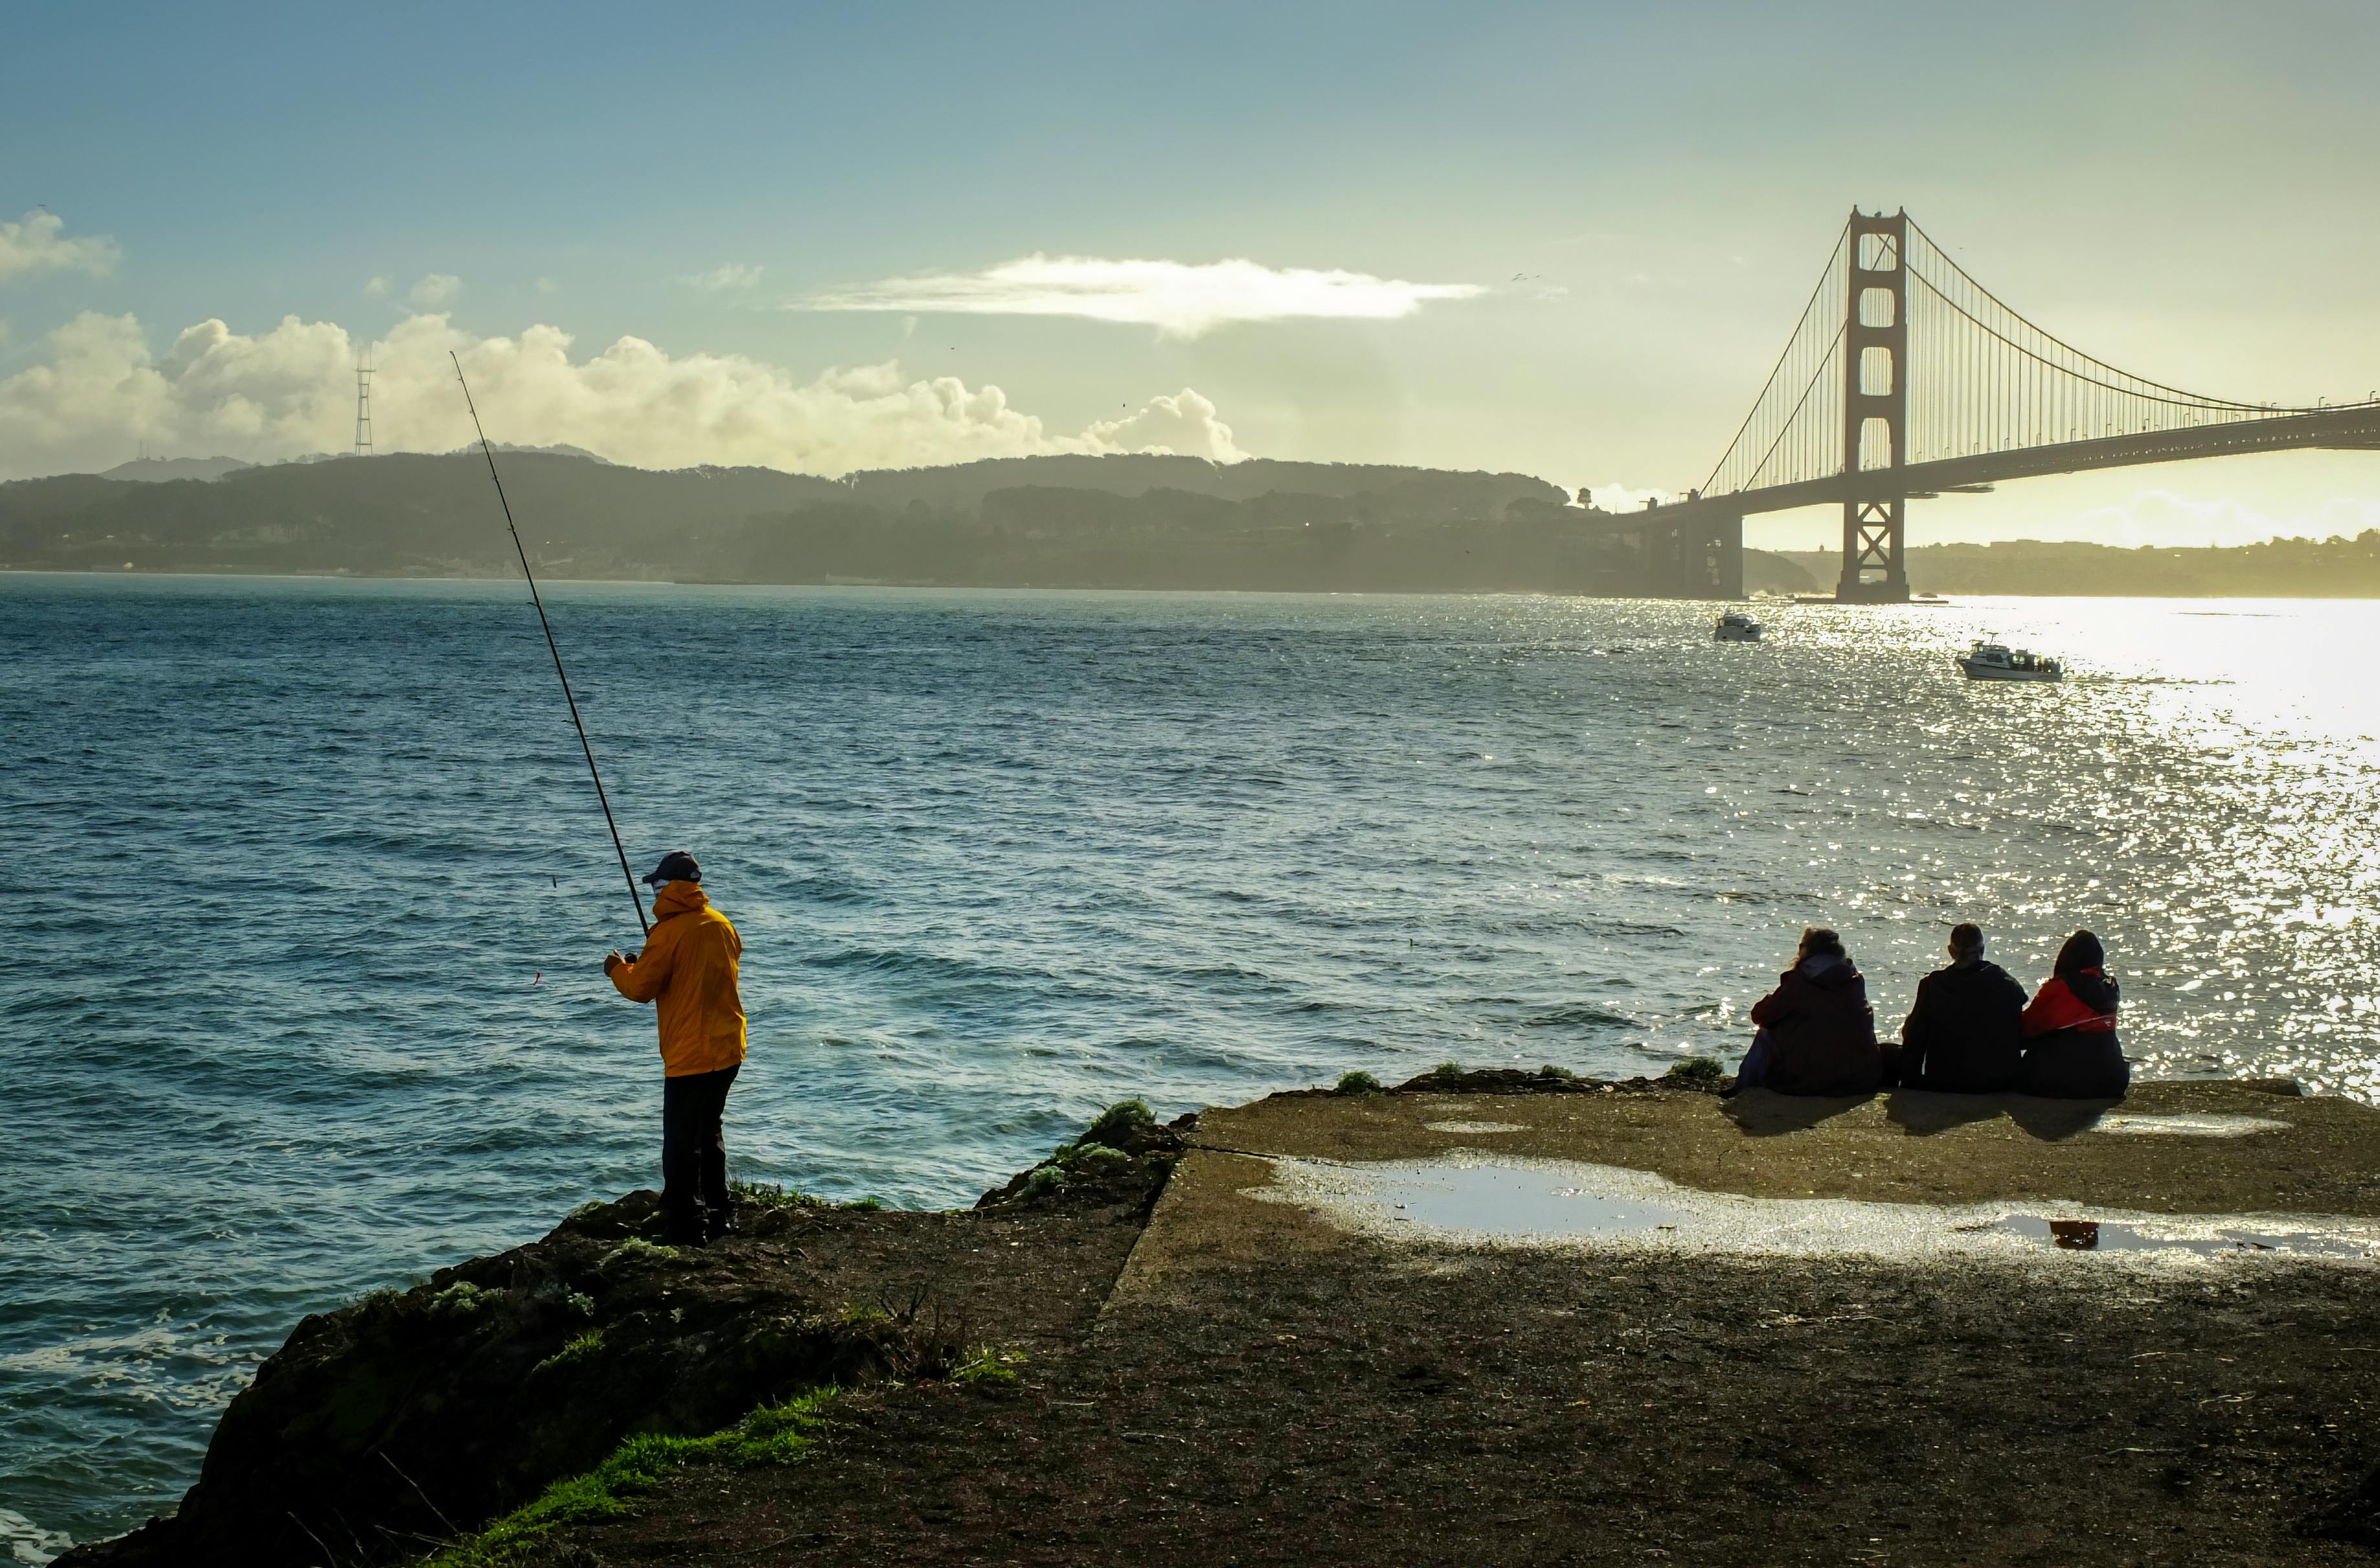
{"x": 689, "y": 966}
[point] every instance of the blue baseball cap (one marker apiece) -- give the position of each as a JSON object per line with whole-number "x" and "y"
{"x": 677, "y": 865}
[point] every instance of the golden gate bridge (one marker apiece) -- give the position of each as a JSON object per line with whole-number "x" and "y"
{"x": 1904, "y": 380}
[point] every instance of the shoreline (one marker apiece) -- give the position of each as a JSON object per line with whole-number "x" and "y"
{"x": 1140, "y": 1340}
{"x": 1954, "y": 596}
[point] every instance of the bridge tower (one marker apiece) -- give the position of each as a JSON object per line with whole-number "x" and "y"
{"x": 1876, "y": 411}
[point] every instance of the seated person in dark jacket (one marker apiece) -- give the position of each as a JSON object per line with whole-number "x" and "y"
{"x": 1817, "y": 1033}
{"x": 1964, "y": 1036}
{"x": 2070, "y": 1050}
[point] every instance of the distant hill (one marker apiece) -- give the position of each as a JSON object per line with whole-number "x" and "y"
{"x": 2280, "y": 568}
{"x": 1140, "y": 521}
{"x": 153, "y": 470}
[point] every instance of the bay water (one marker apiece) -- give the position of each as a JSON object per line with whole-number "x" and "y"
{"x": 302, "y": 995}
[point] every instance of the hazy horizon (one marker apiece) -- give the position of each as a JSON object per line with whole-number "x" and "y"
{"x": 1558, "y": 241}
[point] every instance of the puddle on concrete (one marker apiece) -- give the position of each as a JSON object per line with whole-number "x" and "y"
{"x": 1509, "y": 1201}
{"x": 2105, "y": 1235}
{"x": 2205, "y": 1127}
{"x": 1474, "y": 1128}
{"x": 1520, "y": 1201}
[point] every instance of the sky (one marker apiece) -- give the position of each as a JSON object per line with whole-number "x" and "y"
{"x": 1561, "y": 239}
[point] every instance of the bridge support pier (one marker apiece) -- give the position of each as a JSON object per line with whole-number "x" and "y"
{"x": 1874, "y": 571}
{"x": 1698, "y": 559}
{"x": 1876, "y": 409}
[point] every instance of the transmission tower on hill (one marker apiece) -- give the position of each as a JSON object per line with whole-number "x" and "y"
{"x": 363, "y": 410}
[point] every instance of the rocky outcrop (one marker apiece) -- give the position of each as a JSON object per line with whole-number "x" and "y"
{"x": 1123, "y": 1156}
{"x": 405, "y": 1417}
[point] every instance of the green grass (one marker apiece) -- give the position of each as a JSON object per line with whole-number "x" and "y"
{"x": 1119, "y": 1120}
{"x": 1359, "y": 1082}
{"x": 1696, "y": 1072}
{"x": 776, "y": 1434}
{"x": 636, "y": 1249}
{"x": 987, "y": 1369}
{"x": 461, "y": 1299}
{"x": 581, "y": 1347}
{"x": 1447, "y": 1070}
{"x": 770, "y": 1194}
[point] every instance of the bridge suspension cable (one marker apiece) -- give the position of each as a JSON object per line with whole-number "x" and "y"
{"x": 1981, "y": 378}
{"x": 1783, "y": 436}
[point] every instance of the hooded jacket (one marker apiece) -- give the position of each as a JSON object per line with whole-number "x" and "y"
{"x": 689, "y": 965}
{"x": 1964, "y": 1035}
{"x": 2070, "y": 1050}
{"x": 1821, "y": 1030}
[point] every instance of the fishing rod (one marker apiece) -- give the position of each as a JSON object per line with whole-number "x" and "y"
{"x": 550, "y": 647}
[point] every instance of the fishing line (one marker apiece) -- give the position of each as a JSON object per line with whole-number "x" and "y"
{"x": 550, "y": 647}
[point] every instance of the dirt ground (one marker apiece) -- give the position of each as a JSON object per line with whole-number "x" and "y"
{"x": 1267, "y": 1388}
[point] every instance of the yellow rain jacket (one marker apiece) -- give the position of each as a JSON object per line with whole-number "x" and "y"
{"x": 689, "y": 964}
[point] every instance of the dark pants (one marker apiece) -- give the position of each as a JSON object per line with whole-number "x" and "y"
{"x": 694, "y": 1154}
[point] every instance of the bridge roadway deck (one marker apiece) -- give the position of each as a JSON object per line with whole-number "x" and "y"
{"x": 2356, "y": 428}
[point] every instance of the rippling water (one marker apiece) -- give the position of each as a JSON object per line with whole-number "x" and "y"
{"x": 292, "y": 856}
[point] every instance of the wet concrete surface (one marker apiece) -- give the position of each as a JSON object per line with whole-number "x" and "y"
{"x": 1495, "y": 1200}
{"x": 2213, "y": 1148}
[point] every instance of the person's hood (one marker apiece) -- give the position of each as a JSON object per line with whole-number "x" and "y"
{"x": 680, "y": 898}
{"x": 2083, "y": 955}
{"x": 1826, "y": 970}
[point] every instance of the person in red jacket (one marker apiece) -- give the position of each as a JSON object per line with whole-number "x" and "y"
{"x": 1817, "y": 1032}
{"x": 2070, "y": 1050}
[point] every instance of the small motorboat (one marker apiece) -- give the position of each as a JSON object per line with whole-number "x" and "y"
{"x": 1735, "y": 626}
{"x": 1997, "y": 661}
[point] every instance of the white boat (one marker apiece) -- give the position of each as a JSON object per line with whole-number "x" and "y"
{"x": 1997, "y": 661}
{"x": 1735, "y": 626}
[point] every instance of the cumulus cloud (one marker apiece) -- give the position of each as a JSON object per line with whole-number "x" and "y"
{"x": 726, "y": 275}
{"x": 1179, "y": 300}
{"x": 435, "y": 291}
{"x": 377, "y": 286}
{"x": 1184, "y": 424}
{"x": 98, "y": 391}
{"x": 36, "y": 243}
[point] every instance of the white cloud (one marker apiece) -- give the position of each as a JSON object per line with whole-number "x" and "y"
{"x": 1179, "y": 300}
{"x": 435, "y": 291}
{"x": 377, "y": 286}
{"x": 1183, "y": 423}
{"x": 98, "y": 392}
{"x": 727, "y": 275}
{"x": 34, "y": 243}
{"x": 547, "y": 286}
